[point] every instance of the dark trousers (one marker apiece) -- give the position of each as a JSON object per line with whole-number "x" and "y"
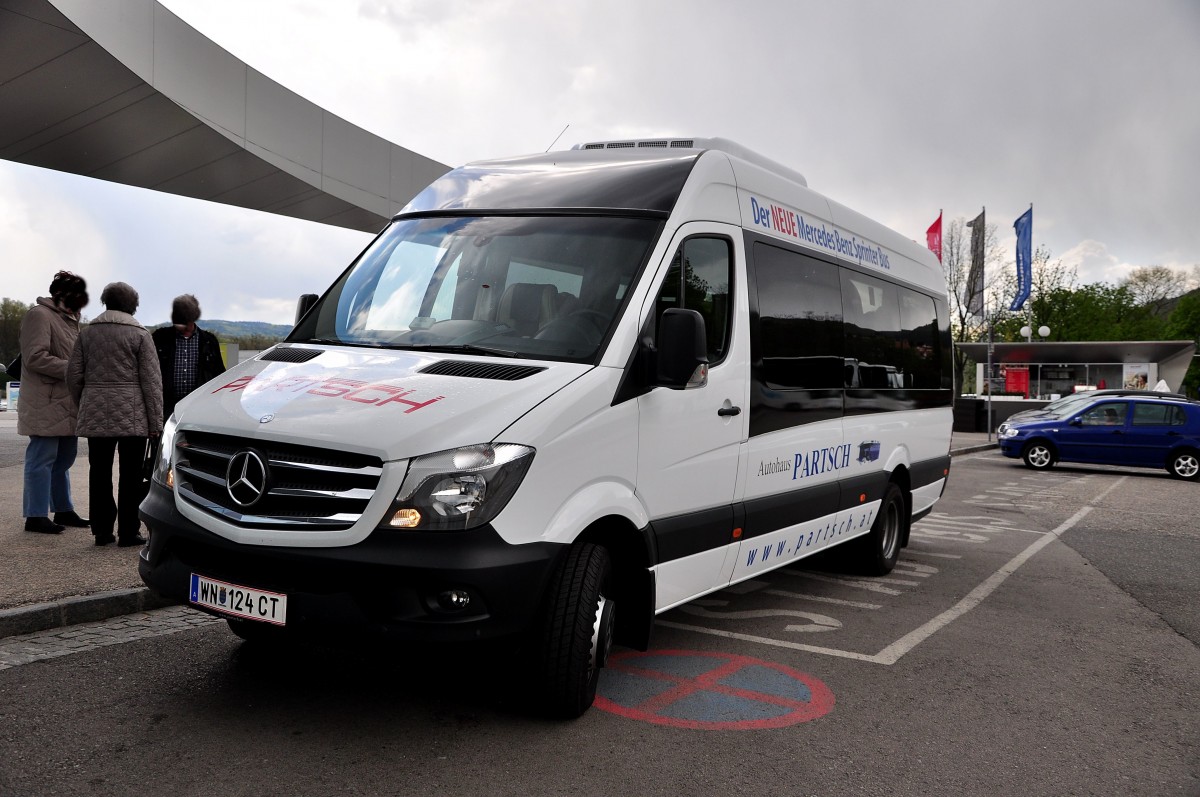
{"x": 103, "y": 509}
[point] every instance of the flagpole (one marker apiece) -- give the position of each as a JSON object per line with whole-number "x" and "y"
{"x": 987, "y": 319}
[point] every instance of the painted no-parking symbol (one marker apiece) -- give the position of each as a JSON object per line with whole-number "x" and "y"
{"x": 709, "y": 691}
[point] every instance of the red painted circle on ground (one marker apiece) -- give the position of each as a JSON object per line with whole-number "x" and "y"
{"x": 709, "y": 691}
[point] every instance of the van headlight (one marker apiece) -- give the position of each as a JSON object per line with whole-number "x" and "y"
{"x": 1009, "y": 431}
{"x": 166, "y": 444}
{"x": 458, "y": 489}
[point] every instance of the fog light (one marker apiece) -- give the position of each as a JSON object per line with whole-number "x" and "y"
{"x": 170, "y": 478}
{"x": 454, "y": 600}
{"x": 405, "y": 519}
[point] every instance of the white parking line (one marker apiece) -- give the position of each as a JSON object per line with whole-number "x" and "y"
{"x": 896, "y": 650}
{"x": 782, "y": 593}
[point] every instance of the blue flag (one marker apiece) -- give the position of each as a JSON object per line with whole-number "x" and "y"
{"x": 1024, "y": 227}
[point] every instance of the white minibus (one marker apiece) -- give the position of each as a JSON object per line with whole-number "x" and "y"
{"x": 561, "y": 394}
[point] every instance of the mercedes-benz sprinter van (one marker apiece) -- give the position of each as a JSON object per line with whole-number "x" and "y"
{"x": 559, "y": 395}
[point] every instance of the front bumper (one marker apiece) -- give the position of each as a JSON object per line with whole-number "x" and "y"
{"x": 386, "y": 586}
{"x": 1011, "y": 446}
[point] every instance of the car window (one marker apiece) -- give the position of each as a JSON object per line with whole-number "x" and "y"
{"x": 1158, "y": 415}
{"x": 1108, "y": 414}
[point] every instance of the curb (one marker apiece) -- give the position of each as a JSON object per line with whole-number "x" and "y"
{"x": 82, "y": 609}
{"x": 973, "y": 449}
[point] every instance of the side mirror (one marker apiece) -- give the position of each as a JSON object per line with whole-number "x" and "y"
{"x": 307, "y": 300}
{"x": 682, "y": 360}
{"x": 1076, "y": 422}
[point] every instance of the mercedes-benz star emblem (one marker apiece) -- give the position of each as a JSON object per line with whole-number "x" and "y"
{"x": 246, "y": 478}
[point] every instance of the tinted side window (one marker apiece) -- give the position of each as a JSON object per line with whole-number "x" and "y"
{"x": 919, "y": 341}
{"x": 799, "y": 320}
{"x": 946, "y": 357}
{"x": 1110, "y": 414}
{"x": 700, "y": 278}
{"x": 1157, "y": 415}
{"x": 873, "y": 335}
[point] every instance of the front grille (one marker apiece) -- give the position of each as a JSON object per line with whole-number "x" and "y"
{"x": 303, "y": 487}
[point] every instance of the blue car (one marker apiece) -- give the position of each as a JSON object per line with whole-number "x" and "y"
{"x": 1111, "y": 430}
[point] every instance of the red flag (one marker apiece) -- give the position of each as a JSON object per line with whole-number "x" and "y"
{"x": 933, "y": 237}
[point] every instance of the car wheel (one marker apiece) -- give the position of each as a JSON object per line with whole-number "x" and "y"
{"x": 577, "y": 630}
{"x": 1038, "y": 455}
{"x": 1185, "y": 465}
{"x": 879, "y": 549}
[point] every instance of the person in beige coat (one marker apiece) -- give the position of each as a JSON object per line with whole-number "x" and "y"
{"x": 113, "y": 373}
{"x": 47, "y": 414}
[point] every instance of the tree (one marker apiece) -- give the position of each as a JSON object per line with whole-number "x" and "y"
{"x": 1154, "y": 285}
{"x": 12, "y": 313}
{"x": 965, "y": 326}
{"x": 1184, "y": 324}
{"x": 1050, "y": 282}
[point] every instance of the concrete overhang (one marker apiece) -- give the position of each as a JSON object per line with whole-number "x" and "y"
{"x": 125, "y": 91}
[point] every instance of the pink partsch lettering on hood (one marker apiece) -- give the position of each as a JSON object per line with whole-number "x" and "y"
{"x": 350, "y": 389}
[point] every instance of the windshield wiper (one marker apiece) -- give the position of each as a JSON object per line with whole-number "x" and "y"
{"x": 457, "y": 348}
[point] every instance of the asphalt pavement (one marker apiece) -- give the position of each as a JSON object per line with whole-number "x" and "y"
{"x": 55, "y": 580}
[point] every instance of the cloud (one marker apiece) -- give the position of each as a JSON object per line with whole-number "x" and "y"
{"x": 45, "y": 230}
{"x": 896, "y": 110}
{"x": 1095, "y": 263}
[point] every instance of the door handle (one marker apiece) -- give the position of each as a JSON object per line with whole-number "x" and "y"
{"x": 729, "y": 412}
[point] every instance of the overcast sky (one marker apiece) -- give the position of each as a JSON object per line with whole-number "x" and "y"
{"x": 1087, "y": 109}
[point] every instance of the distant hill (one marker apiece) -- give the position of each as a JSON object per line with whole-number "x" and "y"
{"x": 242, "y": 329}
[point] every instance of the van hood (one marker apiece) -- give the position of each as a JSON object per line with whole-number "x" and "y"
{"x": 385, "y": 403}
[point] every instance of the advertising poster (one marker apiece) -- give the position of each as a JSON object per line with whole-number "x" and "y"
{"x": 1135, "y": 376}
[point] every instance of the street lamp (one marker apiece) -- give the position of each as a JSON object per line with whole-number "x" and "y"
{"x": 1043, "y": 332}
{"x": 1027, "y": 332}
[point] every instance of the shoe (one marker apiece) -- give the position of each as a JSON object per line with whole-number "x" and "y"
{"x": 129, "y": 542}
{"x": 42, "y": 525}
{"x": 69, "y": 518}
{"x": 105, "y": 539}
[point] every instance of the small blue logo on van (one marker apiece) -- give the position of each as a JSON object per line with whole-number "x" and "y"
{"x": 868, "y": 451}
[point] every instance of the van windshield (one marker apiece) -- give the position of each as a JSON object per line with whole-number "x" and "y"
{"x": 540, "y": 287}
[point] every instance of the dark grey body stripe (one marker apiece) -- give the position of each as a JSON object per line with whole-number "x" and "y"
{"x": 696, "y": 532}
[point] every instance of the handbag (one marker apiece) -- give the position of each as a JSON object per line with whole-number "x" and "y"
{"x": 14, "y": 369}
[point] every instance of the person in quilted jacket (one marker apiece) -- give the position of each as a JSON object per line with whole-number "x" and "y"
{"x": 47, "y": 415}
{"x": 113, "y": 374}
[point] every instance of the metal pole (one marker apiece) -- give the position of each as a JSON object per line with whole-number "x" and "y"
{"x": 988, "y": 376}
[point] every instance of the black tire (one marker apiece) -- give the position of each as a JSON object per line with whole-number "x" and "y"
{"x": 577, "y": 630}
{"x": 1184, "y": 465}
{"x": 878, "y": 550}
{"x": 1039, "y": 455}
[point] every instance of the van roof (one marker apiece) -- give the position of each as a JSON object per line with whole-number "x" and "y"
{"x": 641, "y": 181}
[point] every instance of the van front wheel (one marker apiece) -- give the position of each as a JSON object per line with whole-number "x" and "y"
{"x": 577, "y": 630}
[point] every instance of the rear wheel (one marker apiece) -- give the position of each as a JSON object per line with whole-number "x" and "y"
{"x": 1038, "y": 455}
{"x": 577, "y": 630}
{"x": 880, "y": 548}
{"x": 1185, "y": 465}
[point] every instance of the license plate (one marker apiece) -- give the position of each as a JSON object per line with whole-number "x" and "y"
{"x": 251, "y": 604}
